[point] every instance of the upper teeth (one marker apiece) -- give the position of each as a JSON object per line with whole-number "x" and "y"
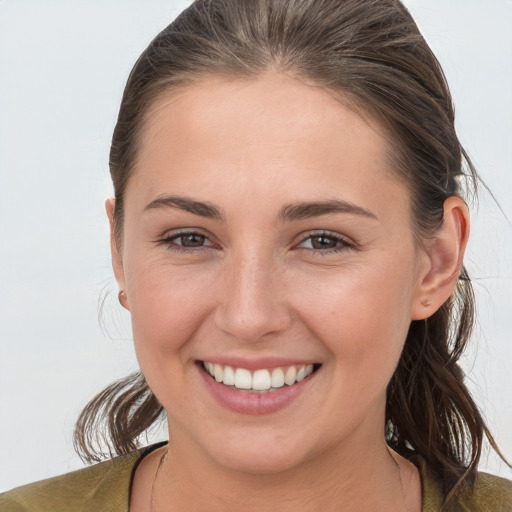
{"x": 259, "y": 380}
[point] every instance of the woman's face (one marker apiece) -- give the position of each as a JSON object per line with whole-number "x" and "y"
{"x": 264, "y": 231}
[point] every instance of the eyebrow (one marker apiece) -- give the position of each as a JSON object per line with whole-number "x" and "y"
{"x": 203, "y": 209}
{"x": 298, "y": 211}
{"x": 291, "y": 212}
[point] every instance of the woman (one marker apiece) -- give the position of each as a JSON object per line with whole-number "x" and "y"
{"x": 288, "y": 232}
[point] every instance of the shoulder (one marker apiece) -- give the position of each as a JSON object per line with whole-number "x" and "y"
{"x": 489, "y": 494}
{"x": 88, "y": 489}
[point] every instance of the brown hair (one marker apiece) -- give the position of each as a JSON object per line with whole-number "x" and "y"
{"x": 371, "y": 53}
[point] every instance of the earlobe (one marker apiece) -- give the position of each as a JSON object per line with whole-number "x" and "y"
{"x": 117, "y": 261}
{"x": 443, "y": 262}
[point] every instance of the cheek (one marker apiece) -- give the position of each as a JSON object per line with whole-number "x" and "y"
{"x": 362, "y": 316}
{"x": 168, "y": 305}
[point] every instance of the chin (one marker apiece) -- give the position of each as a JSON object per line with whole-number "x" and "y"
{"x": 257, "y": 456}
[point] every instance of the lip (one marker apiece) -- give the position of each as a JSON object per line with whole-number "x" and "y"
{"x": 254, "y": 403}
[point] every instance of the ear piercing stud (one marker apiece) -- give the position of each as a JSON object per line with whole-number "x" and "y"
{"x": 122, "y": 298}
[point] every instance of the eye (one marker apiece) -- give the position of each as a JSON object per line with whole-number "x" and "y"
{"x": 185, "y": 241}
{"x": 325, "y": 242}
{"x": 189, "y": 240}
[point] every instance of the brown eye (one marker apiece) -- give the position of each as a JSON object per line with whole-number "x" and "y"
{"x": 323, "y": 242}
{"x": 186, "y": 241}
{"x": 190, "y": 240}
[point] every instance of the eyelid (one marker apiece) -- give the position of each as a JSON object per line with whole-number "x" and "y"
{"x": 344, "y": 241}
{"x": 169, "y": 236}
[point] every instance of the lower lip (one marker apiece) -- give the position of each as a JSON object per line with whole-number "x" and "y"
{"x": 254, "y": 403}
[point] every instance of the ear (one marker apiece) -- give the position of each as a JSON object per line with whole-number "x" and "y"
{"x": 443, "y": 260}
{"x": 117, "y": 261}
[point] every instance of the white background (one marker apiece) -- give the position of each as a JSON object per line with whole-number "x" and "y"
{"x": 63, "y": 64}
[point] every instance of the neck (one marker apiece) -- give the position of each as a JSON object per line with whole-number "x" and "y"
{"x": 354, "y": 477}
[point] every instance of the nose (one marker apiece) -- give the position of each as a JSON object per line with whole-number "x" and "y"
{"x": 252, "y": 303}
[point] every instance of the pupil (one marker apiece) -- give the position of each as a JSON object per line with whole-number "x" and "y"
{"x": 192, "y": 240}
{"x": 323, "y": 242}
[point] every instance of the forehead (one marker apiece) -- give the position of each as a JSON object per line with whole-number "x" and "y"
{"x": 288, "y": 109}
{"x": 264, "y": 134}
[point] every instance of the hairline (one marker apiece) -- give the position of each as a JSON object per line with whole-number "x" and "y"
{"x": 393, "y": 150}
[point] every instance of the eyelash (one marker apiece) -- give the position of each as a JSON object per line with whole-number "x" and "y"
{"x": 342, "y": 244}
{"x": 169, "y": 241}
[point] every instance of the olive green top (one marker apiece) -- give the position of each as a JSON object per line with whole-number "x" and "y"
{"x": 106, "y": 486}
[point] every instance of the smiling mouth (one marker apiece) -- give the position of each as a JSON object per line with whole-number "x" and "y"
{"x": 259, "y": 381}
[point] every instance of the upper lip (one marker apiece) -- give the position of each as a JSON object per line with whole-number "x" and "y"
{"x": 258, "y": 363}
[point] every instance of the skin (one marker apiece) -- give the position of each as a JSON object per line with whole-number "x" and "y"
{"x": 262, "y": 286}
